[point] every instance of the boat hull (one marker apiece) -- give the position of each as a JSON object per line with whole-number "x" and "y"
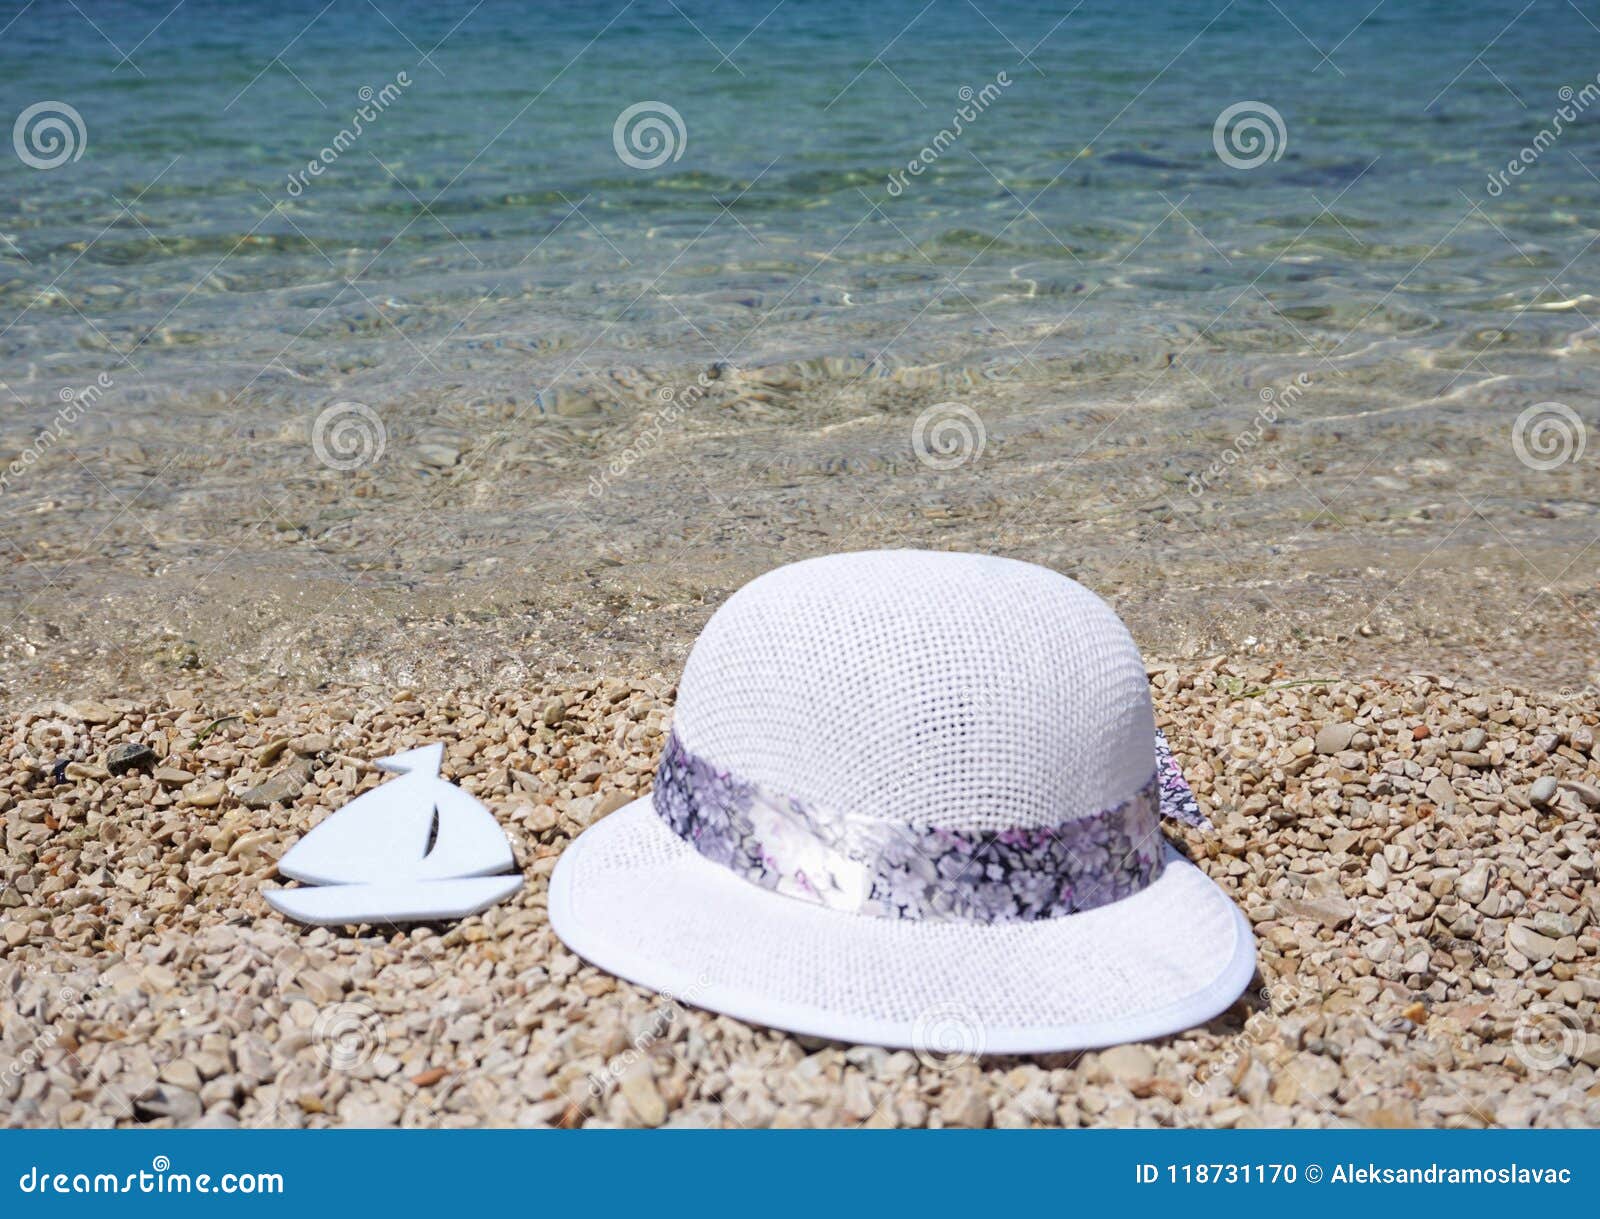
{"x": 413, "y": 901}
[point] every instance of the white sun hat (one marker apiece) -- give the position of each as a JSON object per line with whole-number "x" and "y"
{"x": 912, "y": 798}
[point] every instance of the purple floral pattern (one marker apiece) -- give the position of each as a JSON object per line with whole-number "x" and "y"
{"x": 891, "y": 870}
{"x": 1177, "y": 801}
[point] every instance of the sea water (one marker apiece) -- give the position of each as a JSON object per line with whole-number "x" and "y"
{"x": 580, "y": 264}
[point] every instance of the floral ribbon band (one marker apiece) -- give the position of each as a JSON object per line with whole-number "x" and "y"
{"x": 891, "y": 870}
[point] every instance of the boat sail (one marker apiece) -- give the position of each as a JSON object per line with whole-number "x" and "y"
{"x": 415, "y": 849}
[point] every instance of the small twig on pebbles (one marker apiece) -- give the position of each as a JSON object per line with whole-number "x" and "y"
{"x": 1254, "y": 691}
{"x": 200, "y": 736}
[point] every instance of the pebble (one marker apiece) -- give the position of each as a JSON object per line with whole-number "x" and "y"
{"x": 857, "y": 1097}
{"x": 1315, "y": 1075}
{"x": 638, "y": 1087}
{"x": 94, "y": 713}
{"x": 130, "y": 755}
{"x": 1543, "y": 791}
{"x": 439, "y": 456}
{"x": 367, "y": 1114}
{"x": 182, "y": 1106}
{"x": 1553, "y": 923}
{"x": 1125, "y": 1062}
{"x": 1321, "y": 898}
{"x": 182, "y": 1074}
{"x": 319, "y": 986}
{"x": 1335, "y": 738}
{"x": 540, "y": 818}
{"x": 1587, "y": 792}
{"x": 204, "y": 795}
{"x": 250, "y": 846}
{"x": 966, "y": 1107}
{"x": 611, "y": 802}
{"x": 269, "y": 753}
{"x": 1530, "y": 943}
{"x": 282, "y": 788}
{"x": 1472, "y": 887}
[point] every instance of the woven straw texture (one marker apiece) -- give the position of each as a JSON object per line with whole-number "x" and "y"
{"x": 955, "y": 690}
{"x": 636, "y": 899}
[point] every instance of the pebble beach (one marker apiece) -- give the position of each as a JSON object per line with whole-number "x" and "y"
{"x": 1415, "y": 854}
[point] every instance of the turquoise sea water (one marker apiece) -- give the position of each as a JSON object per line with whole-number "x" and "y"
{"x": 320, "y": 319}
{"x": 481, "y": 204}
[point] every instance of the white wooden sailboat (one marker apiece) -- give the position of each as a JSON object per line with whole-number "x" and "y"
{"x": 413, "y": 850}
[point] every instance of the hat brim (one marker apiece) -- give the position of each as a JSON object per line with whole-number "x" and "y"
{"x": 632, "y": 897}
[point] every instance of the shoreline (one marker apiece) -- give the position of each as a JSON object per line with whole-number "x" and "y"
{"x": 1419, "y": 540}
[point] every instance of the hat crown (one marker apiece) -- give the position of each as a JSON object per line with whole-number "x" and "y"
{"x": 959, "y": 691}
